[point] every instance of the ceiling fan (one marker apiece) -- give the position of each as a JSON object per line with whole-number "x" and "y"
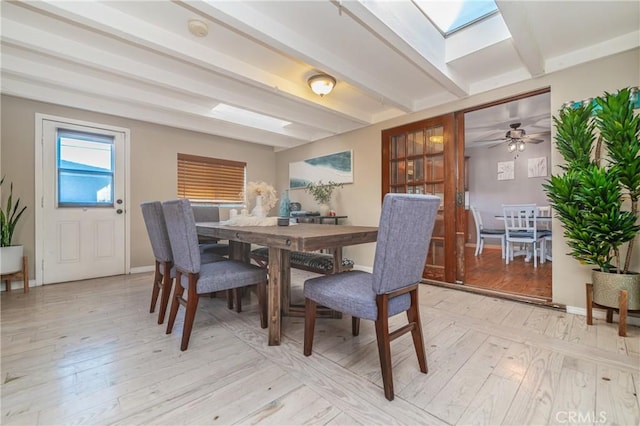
{"x": 517, "y": 138}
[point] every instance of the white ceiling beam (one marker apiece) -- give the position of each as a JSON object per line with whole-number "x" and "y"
{"x": 403, "y": 27}
{"x": 38, "y": 91}
{"x": 140, "y": 32}
{"x": 245, "y": 18}
{"x": 90, "y": 83}
{"x": 524, "y": 41}
{"x": 603, "y": 49}
{"x": 174, "y": 79}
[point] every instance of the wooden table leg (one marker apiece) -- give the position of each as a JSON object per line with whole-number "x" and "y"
{"x": 589, "y": 304}
{"x": 623, "y": 301}
{"x": 285, "y": 281}
{"x": 275, "y": 278}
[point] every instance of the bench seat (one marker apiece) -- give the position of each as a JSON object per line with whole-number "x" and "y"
{"x": 320, "y": 263}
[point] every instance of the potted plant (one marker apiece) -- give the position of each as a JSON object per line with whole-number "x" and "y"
{"x": 596, "y": 195}
{"x": 9, "y": 217}
{"x": 321, "y": 192}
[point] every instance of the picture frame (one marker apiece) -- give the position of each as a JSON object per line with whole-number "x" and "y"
{"x": 336, "y": 167}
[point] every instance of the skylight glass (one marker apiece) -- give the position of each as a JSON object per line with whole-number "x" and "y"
{"x": 247, "y": 118}
{"x": 453, "y": 15}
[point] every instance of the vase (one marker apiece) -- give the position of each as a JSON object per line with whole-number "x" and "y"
{"x": 324, "y": 209}
{"x": 285, "y": 204}
{"x": 257, "y": 210}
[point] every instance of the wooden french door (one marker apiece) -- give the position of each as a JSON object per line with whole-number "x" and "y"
{"x": 422, "y": 158}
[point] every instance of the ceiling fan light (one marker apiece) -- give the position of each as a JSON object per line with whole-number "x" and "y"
{"x": 512, "y": 146}
{"x": 521, "y": 145}
{"x": 321, "y": 84}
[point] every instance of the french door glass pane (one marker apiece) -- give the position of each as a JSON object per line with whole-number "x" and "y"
{"x": 435, "y": 168}
{"x": 397, "y": 146}
{"x": 85, "y": 169}
{"x": 435, "y": 140}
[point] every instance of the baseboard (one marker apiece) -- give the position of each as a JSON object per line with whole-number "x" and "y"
{"x": 141, "y": 269}
{"x": 368, "y": 269}
{"x": 632, "y": 318}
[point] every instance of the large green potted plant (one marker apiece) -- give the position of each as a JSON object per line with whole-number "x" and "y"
{"x": 10, "y": 255}
{"x": 596, "y": 195}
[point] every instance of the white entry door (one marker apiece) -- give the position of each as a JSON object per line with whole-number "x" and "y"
{"x": 82, "y": 226}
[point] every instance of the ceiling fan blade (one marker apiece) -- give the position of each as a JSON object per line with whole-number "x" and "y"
{"x": 495, "y": 144}
{"x": 536, "y": 141}
{"x": 490, "y": 140}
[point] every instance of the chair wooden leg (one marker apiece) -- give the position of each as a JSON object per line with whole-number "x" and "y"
{"x": 229, "y": 299}
{"x": 355, "y": 326}
{"x": 157, "y": 279}
{"x": 384, "y": 345}
{"x": 167, "y": 285}
{"x": 190, "y": 314}
{"x": 262, "y": 302}
{"x": 237, "y": 296}
{"x": 175, "y": 304}
{"x": 309, "y": 324}
{"x": 413, "y": 315}
{"x": 609, "y": 315}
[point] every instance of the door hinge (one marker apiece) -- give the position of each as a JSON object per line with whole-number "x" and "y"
{"x": 459, "y": 198}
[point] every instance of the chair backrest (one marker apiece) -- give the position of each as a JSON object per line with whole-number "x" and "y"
{"x": 205, "y": 213}
{"x": 181, "y": 228}
{"x": 477, "y": 219}
{"x": 157, "y": 230}
{"x": 520, "y": 220}
{"x": 404, "y": 234}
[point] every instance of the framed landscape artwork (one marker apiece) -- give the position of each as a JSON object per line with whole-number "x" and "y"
{"x": 336, "y": 167}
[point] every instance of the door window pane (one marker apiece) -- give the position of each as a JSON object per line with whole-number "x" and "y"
{"x": 85, "y": 169}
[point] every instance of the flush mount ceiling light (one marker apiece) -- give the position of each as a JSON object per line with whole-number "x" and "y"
{"x": 321, "y": 84}
{"x": 198, "y": 28}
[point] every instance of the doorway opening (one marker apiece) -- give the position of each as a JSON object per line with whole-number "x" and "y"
{"x": 507, "y": 148}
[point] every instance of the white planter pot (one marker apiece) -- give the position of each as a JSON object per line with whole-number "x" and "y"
{"x": 10, "y": 259}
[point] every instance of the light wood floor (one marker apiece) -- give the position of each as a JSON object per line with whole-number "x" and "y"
{"x": 90, "y": 353}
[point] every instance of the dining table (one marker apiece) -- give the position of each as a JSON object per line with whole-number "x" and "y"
{"x": 281, "y": 240}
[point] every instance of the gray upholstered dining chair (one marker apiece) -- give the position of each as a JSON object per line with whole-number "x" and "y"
{"x": 209, "y": 213}
{"x": 201, "y": 278}
{"x": 164, "y": 269}
{"x": 404, "y": 235}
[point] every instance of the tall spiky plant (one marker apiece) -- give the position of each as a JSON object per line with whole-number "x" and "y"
{"x": 9, "y": 217}
{"x": 588, "y": 197}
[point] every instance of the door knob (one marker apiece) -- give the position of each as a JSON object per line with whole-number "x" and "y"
{"x": 119, "y": 211}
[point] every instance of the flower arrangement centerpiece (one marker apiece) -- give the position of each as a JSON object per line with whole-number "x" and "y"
{"x": 321, "y": 192}
{"x": 264, "y": 196}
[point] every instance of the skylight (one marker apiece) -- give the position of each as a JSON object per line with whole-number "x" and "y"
{"x": 453, "y": 15}
{"x": 247, "y": 118}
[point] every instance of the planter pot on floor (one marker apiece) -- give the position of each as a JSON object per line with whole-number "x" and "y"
{"x": 607, "y": 286}
{"x": 10, "y": 259}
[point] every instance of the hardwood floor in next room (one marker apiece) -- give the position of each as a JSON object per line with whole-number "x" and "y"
{"x": 489, "y": 271}
{"x": 90, "y": 352}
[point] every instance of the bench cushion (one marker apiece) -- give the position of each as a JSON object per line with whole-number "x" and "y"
{"x": 321, "y": 263}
